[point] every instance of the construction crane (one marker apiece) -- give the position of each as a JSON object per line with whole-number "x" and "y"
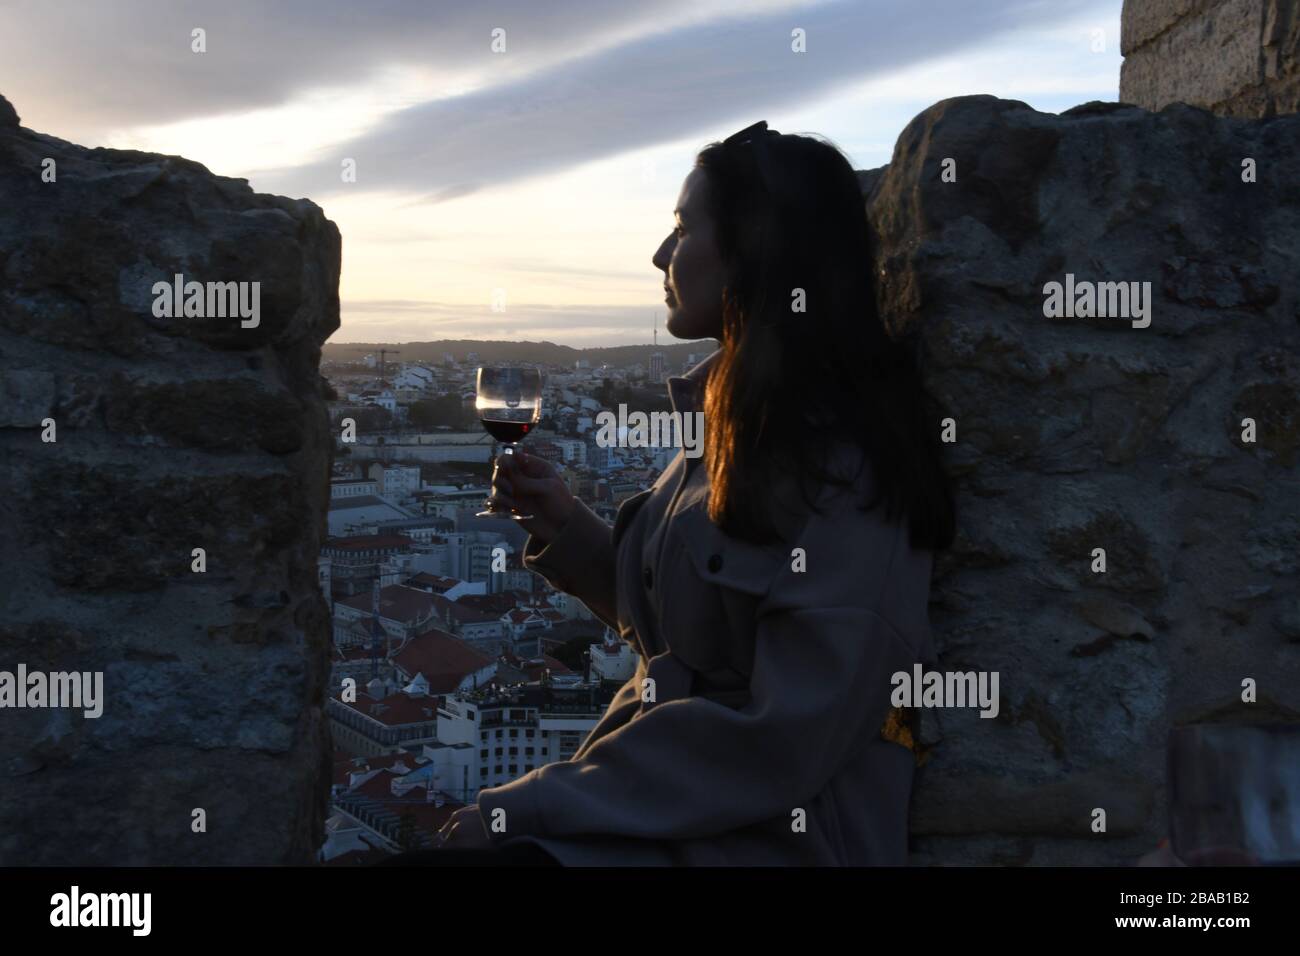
{"x": 382, "y": 354}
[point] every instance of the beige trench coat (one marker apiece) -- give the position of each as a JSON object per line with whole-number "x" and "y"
{"x": 760, "y": 740}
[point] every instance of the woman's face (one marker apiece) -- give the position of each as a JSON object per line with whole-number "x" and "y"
{"x": 693, "y": 273}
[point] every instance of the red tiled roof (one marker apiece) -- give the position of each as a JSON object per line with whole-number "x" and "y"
{"x": 534, "y": 667}
{"x": 395, "y": 709}
{"x": 444, "y": 660}
{"x": 344, "y": 767}
{"x": 495, "y": 604}
{"x": 461, "y": 613}
{"x": 439, "y": 583}
{"x": 396, "y": 602}
{"x": 427, "y": 817}
{"x": 557, "y": 666}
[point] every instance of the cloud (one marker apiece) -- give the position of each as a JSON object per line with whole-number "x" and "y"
{"x": 454, "y": 192}
{"x": 652, "y": 88}
{"x": 105, "y": 66}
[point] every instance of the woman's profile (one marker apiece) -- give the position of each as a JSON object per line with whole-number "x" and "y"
{"x": 772, "y": 586}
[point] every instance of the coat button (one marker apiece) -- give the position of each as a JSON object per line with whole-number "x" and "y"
{"x": 648, "y": 577}
{"x": 715, "y": 563}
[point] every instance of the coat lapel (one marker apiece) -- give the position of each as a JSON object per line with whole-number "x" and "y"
{"x": 686, "y": 393}
{"x": 718, "y": 558}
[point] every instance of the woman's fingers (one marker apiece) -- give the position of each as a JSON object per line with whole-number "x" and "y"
{"x": 520, "y": 464}
{"x": 524, "y": 485}
{"x": 533, "y": 476}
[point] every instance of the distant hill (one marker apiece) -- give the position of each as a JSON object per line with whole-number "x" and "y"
{"x": 542, "y": 353}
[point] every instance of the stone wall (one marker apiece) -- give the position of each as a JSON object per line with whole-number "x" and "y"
{"x": 1235, "y": 57}
{"x": 1079, "y": 433}
{"x": 171, "y": 434}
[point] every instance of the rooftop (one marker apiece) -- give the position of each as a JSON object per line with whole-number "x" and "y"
{"x": 360, "y": 501}
{"x": 396, "y": 603}
{"x": 444, "y": 659}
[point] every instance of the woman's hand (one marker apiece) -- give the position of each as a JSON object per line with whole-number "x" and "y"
{"x": 464, "y": 830}
{"x": 531, "y": 485}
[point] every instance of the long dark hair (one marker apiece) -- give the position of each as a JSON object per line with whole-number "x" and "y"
{"x": 790, "y": 384}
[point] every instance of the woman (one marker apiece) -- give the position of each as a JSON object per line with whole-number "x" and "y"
{"x": 770, "y": 587}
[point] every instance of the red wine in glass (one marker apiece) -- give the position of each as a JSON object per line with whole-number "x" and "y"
{"x": 508, "y": 433}
{"x": 509, "y": 404}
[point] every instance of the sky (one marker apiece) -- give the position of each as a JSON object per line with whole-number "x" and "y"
{"x": 517, "y": 163}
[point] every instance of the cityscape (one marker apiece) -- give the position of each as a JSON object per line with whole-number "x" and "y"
{"x": 454, "y": 667}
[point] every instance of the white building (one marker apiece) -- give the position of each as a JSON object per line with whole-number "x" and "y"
{"x": 486, "y": 739}
{"x": 415, "y": 377}
{"x": 470, "y": 556}
{"x": 613, "y": 659}
{"x": 352, "y": 487}
{"x": 395, "y": 481}
{"x": 353, "y": 515}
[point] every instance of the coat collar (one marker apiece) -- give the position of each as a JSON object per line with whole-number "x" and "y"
{"x": 685, "y": 391}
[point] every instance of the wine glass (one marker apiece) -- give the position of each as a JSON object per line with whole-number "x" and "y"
{"x": 509, "y": 404}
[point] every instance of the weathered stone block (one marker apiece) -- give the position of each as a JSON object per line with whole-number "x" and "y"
{"x": 1085, "y": 432}
{"x": 172, "y": 434}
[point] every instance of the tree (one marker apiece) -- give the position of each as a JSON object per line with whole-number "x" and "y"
{"x": 445, "y": 410}
{"x": 373, "y": 418}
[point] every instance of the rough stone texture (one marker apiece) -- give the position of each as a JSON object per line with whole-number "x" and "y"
{"x": 1086, "y": 432}
{"x": 173, "y": 434}
{"x": 1234, "y": 57}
